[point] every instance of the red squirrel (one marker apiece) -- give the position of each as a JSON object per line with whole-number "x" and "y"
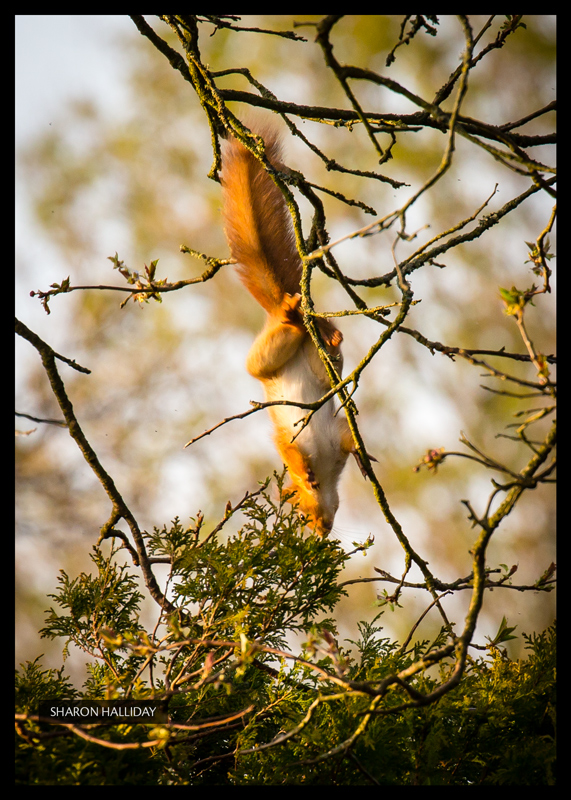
{"x": 283, "y": 357}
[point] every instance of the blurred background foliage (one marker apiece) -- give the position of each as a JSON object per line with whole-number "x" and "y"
{"x": 135, "y": 183}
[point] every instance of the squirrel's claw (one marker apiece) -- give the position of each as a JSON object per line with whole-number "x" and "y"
{"x": 360, "y": 463}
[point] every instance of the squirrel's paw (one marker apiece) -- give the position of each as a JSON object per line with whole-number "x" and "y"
{"x": 290, "y": 309}
{"x": 311, "y": 479}
{"x": 335, "y": 339}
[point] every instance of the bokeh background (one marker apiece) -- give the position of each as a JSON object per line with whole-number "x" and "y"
{"x": 113, "y": 152}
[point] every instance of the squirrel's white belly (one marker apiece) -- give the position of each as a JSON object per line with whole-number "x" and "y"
{"x": 320, "y": 440}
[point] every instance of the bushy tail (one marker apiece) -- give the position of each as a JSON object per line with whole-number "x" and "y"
{"x": 258, "y": 224}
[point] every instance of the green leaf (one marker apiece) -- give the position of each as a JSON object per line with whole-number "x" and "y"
{"x": 503, "y": 634}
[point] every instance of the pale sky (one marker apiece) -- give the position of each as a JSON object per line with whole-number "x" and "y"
{"x": 58, "y": 58}
{"x": 64, "y": 56}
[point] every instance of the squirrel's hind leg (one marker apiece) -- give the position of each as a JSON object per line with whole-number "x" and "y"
{"x": 279, "y": 341}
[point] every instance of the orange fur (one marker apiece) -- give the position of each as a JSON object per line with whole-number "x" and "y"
{"x": 283, "y": 357}
{"x": 258, "y": 225}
